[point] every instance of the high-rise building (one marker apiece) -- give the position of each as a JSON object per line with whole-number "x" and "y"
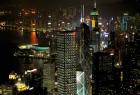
{"x": 95, "y": 34}
{"x": 66, "y": 61}
{"x": 94, "y": 14}
{"x": 124, "y": 23}
{"x": 131, "y": 65}
{"x": 105, "y": 82}
{"x": 85, "y": 56}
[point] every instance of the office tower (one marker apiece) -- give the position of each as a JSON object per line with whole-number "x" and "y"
{"x": 84, "y": 57}
{"x": 66, "y": 60}
{"x": 124, "y": 22}
{"x": 95, "y": 34}
{"x": 94, "y": 15}
{"x": 80, "y": 80}
{"x": 49, "y": 76}
{"x": 49, "y": 72}
{"x": 104, "y": 74}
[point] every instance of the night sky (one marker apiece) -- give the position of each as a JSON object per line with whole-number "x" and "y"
{"x": 106, "y": 7}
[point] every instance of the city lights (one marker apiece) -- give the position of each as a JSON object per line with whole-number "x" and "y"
{"x": 72, "y": 47}
{"x": 13, "y": 76}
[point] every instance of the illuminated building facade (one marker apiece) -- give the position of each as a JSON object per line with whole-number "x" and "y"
{"x": 124, "y": 24}
{"x": 94, "y": 14}
{"x": 66, "y": 61}
{"x": 80, "y": 80}
{"x": 95, "y": 34}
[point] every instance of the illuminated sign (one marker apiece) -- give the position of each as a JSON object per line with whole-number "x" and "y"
{"x": 93, "y": 23}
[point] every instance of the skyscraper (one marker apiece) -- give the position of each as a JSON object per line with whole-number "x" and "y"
{"x": 66, "y": 61}
{"x": 105, "y": 82}
{"x": 95, "y": 34}
{"x": 131, "y": 75}
{"x": 94, "y": 14}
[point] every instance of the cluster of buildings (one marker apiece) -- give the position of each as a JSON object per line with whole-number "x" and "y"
{"x": 100, "y": 57}
{"x": 33, "y": 19}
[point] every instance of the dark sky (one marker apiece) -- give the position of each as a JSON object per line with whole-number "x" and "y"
{"x": 106, "y": 7}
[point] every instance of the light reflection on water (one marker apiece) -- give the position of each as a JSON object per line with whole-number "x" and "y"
{"x": 34, "y": 39}
{"x": 28, "y": 37}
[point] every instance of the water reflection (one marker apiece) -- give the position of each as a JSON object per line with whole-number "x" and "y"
{"x": 34, "y": 39}
{"x": 28, "y": 37}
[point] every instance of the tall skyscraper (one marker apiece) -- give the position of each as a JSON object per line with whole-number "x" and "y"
{"x": 85, "y": 57}
{"x": 105, "y": 82}
{"x": 124, "y": 23}
{"x": 95, "y": 34}
{"x": 66, "y": 61}
{"x": 94, "y": 14}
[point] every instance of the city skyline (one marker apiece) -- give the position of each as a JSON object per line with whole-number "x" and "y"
{"x": 65, "y": 47}
{"x": 106, "y": 8}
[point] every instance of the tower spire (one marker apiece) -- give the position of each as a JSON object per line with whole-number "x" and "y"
{"x": 82, "y": 12}
{"x": 95, "y": 4}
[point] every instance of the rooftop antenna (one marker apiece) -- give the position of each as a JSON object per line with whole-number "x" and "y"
{"x": 95, "y": 4}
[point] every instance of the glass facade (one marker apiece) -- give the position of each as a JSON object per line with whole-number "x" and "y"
{"x": 66, "y": 63}
{"x": 80, "y": 79}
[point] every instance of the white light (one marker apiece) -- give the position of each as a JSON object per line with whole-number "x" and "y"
{"x": 56, "y": 83}
{"x": 30, "y": 71}
{"x": 68, "y": 23}
{"x": 97, "y": 32}
{"x": 58, "y": 24}
{"x": 19, "y": 79}
{"x": 49, "y": 23}
{"x": 106, "y": 35}
{"x": 102, "y": 30}
{"x": 107, "y": 23}
{"x": 63, "y": 22}
{"x": 25, "y": 72}
{"x": 90, "y": 76}
{"x": 20, "y": 22}
{"x": 112, "y": 53}
{"x": 133, "y": 33}
{"x": 31, "y": 88}
{"x": 126, "y": 36}
{"x": 112, "y": 18}
{"x": 49, "y": 16}
{"x": 100, "y": 23}
{"x": 31, "y": 55}
{"x": 105, "y": 46}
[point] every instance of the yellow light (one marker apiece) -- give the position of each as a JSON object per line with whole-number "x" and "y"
{"x": 33, "y": 24}
{"x": 22, "y": 47}
{"x": 12, "y": 76}
{"x": 0, "y": 91}
{"x": 21, "y": 86}
{"x": 93, "y": 23}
